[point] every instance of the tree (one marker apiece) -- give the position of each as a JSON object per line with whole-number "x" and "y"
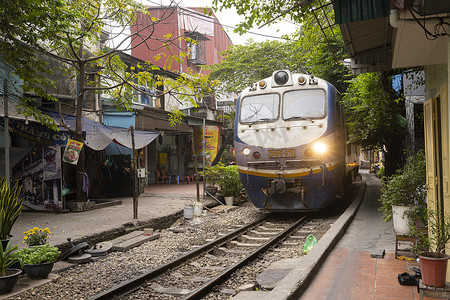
{"x": 310, "y": 50}
{"x": 374, "y": 116}
{"x": 87, "y": 38}
{"x": 246, "y": 64}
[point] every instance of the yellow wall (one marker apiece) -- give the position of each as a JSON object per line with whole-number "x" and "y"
{"x": 437, "y": 144}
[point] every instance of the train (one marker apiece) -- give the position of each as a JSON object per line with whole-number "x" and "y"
{"x": 290, "y": 143}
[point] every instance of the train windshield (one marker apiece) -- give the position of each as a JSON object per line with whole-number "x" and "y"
{"x": 304, "y": 104}
{"x": 260, "y": 108}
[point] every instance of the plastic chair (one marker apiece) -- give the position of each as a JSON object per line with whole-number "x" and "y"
{"x": 161, "y": 177}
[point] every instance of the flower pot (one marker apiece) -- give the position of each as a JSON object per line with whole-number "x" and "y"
{"x": 5, "y": 241}
{"x": 211, "y": 190}
{"x": 401, "y": 219}
{"x": 9, "y": 281}
{"x": 229, "y": 200}
{"x": 38, "y": 270}
{"x": 433, "y": 269}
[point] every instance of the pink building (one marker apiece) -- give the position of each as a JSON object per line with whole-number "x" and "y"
{"x": 173, "y": 22}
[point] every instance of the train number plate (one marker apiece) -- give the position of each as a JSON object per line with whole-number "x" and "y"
{"x": 282, "y": 153}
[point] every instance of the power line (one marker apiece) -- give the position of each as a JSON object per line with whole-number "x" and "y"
{"x": 193, "y": 13}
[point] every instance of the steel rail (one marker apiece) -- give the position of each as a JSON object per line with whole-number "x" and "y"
{"x": 206, "y": 288}
{"x": 129, "y": 286}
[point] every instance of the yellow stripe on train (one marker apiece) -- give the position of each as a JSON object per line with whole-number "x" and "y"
{"x": 284, "y": 173}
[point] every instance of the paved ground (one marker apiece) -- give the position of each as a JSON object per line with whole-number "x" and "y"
{"x": 350, "y": 273}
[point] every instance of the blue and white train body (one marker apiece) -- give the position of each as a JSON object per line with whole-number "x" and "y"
{"x": 290, "y": 143}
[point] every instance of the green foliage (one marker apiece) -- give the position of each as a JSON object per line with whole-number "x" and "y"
{"x": 10, "y": 206}
{"x": 380, "y": 172}
{"x": 8, "y": 257}
{"x": 406, "y": 187}
{"x": 432, "y": 242}
{"x": 245, "y": 64}
{"x": 72, "y": 33}
{"x": 212, "y": 174}
{"x": 307, "y": 51}
{"x": 229, "y": 181}
{"x": 373, "y": 114}
{"x": 227, "y": 157}
{"x": 39, "y": 254}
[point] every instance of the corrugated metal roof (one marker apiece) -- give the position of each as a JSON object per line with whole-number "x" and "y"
{"x": 347, "y": 11}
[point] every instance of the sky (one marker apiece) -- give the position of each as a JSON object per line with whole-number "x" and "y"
{"x": 229, "y": 18}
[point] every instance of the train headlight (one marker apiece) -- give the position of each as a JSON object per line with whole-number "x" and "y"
{"x": 262, "y": 84}
{"x": 320, "y": 148}
{"x": 256, "y": 155}
{"x": 308, "y": 152}
{"x": 281, "y": 77}
{"x": 301, "y": 80}
{"x": 246, "y": 151}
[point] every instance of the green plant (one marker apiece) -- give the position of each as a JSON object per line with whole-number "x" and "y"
{"x": 432, "y": 239}
{"x": 380, "y": 172}
{"x": 8, "y": 257}
{"x": 39, "y": 254}
{"x": 406, "y": 187}
{"x": 36, "y": 236}
{"x": 229, "y": 181}
{"x": 212, "y": 174}
{"x": 10, "y": 206}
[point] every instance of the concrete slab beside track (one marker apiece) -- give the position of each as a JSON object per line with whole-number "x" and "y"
{"x": 296, "y": 281}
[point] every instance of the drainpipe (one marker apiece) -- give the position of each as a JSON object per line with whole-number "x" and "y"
{"x": 397, "y": 22}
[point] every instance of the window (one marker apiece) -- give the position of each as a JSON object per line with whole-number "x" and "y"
{"x": 196, "y": 49}
{"x": 260, "y": 108}
{"x": 304, "y": 104}
{"x": 146, "y": 97}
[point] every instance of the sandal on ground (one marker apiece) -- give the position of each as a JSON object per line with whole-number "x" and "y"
{"x": 407, "y": 279}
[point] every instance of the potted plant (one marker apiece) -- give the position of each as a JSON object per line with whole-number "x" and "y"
{"x": 230, "y": 183}
{"x": 10, "y": 208}
{"x": 431, "y": 245}
{"x": 403, "y": 195}
{"x": 36, "y": 236}
{"x": 39, "y": 260}
{"x": 8, "y": 276}
{"x": 211, "y": 175}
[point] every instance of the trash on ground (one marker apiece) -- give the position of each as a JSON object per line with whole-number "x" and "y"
{"x": 309, "y": 243}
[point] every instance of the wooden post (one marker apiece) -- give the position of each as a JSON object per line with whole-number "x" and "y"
{"x": 134, "y": 176}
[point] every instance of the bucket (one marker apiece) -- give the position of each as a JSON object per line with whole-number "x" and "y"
{"x": 229, "y": 200}
{"x": 198, "y": 209}
{"x": 188, "y": 211}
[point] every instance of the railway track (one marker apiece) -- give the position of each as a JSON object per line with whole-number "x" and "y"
{"x": 222, "y": 256}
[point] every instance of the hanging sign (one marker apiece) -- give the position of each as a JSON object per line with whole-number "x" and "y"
{"x": 72, "y": 152}
{"x": 212, "y": 136}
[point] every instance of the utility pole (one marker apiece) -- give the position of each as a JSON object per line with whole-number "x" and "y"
{"x": 6, "y": 124}
{"x": 134, "y": 175}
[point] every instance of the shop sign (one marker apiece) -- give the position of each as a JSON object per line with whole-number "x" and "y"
{"x": 72, "y": 152}
{"x": 212, "y": 136}
{"x": 38, "y": 133}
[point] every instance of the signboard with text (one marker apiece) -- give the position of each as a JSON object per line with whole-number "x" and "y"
{"x": 212, "y": 136}
{"x": 72, "y": 152}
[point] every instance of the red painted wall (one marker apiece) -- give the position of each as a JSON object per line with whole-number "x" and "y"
{"x": 169, "y": 24}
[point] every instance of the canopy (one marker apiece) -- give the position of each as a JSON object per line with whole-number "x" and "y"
{"x": 97, "y": 135}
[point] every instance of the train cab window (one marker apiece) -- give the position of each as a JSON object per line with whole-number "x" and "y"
{"x": 304, "y": 104}
{"x": 260, "y": 108}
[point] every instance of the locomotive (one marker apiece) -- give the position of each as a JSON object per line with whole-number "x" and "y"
{"x": 291, "y": 144}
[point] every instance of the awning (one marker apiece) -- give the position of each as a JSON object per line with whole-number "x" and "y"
{"x": 97, "y": 135}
